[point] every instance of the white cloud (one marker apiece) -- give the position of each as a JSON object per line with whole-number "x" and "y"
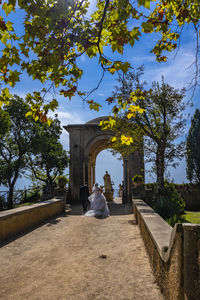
{"x": 142, "y": 59}
{"x": 178, "y": 71}
{"x": 66, "y": 118}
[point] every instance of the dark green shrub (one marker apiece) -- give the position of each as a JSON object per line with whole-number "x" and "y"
{"x": 32, "y": 196}
{"x": 170, "y": 205}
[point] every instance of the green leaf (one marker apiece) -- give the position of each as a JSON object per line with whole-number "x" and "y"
{"x": 6, "y": 93}
{"x": 9, "y": 25}
{"x": 125, "y": 67}
{"x": 7, "y": 8}
{"x": 145, "y": 3}
{"x": 94, "y": 105}
{"x": 5, "y": 37}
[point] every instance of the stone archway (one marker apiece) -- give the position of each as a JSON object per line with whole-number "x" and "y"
{"x": 86, "y": 141}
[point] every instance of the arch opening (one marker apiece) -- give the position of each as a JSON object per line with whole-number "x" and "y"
{"x": 106, "y": 161}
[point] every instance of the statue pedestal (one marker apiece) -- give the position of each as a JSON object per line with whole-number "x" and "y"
{"x": 109, "y": 195}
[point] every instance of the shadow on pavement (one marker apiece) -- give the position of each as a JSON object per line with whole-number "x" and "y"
{"x": 49, "y": 222}
{"x": 115, "y": 209}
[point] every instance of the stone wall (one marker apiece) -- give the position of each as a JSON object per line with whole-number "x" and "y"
{"x": 20, "y": 219}
{"x": 174, "y": 253}
{"x": 191, "y": 197}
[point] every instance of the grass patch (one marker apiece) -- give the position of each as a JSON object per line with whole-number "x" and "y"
{"x": 192, "y": 217}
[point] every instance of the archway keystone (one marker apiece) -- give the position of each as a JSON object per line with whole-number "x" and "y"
{"x": 86, "y": 141}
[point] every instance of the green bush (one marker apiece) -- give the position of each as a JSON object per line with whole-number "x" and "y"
{"x": 170, "y": 205}
{"x": 32, "y": 196}
{"x": 62, "y": 180}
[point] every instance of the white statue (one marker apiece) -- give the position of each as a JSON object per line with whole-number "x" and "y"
{"x": 107, "y": 182}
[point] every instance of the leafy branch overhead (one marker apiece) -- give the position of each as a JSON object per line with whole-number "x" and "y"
{"x": 56, "y": 33}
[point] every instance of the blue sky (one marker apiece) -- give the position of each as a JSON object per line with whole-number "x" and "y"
{"x": 177, "y": 72}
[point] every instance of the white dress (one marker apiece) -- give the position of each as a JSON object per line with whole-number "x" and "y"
{"x": 98, "y": 205}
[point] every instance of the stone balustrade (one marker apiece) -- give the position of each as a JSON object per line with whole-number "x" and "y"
{"x": 17, "y": 220}
{"x": 174, "y": 253}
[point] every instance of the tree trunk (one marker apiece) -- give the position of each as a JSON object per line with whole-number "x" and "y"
{"x": 11, "y": 185}
{"x": 10, "y": 196}
{"x": 160, "y": 168}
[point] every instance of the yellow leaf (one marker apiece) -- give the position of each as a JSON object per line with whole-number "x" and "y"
{"x": 134, "y": 98}
{"x": 130, "y": 115}
{"x": 114, "y": 139}
{"x": 36, "y": 118}
{"x": 29, "y": 113}
{"x": 48, "y": 122}
{"x": 101, "y": 47}
{"x": 141, "y": 110}
{"x": 126, "y": 140}
{"x": 112, "y": 70}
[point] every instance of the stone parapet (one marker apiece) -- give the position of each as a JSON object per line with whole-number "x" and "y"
{"x": 20, "y": 219}
{"x": 174, "y": 253}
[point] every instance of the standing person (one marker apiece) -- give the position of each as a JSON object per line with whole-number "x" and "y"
{"x": 84, "y": 194}
{"x": 98, "y": 204}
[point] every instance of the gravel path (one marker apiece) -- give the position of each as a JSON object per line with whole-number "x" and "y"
{"x": 75, "y": 257}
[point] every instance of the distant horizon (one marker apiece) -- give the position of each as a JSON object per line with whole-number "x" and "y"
{"x": 107, "y": 162}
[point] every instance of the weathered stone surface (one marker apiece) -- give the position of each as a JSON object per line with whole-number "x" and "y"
{"x": 74, "y": 257}
{"x": 174, "y": 253}
{"x": 17, "y": 220}
{"x": 191, "y": 260}
{"x": 86, "y": 142}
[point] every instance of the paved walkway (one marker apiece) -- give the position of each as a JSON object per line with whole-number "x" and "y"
{"x": 74, "y": 257}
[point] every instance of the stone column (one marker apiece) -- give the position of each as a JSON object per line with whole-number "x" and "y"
{"x": 94, "y": 174}
{"x": 91, "y": 176}
{"x": 85, "y": 172}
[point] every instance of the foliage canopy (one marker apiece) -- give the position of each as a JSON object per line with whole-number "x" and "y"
{"x": 47, "y": 159}
{"x": 56, "y": 33}
{"x": 15, "y": 144}
{"x": 26, "y": 145}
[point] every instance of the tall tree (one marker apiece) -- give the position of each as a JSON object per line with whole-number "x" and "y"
{"x": 193, "y": 149}
{"x": 15, "y": 145}
{"x": 160, "y": 120}
{"x": 4, "y": 122}
{"x": 50, "y": 159}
